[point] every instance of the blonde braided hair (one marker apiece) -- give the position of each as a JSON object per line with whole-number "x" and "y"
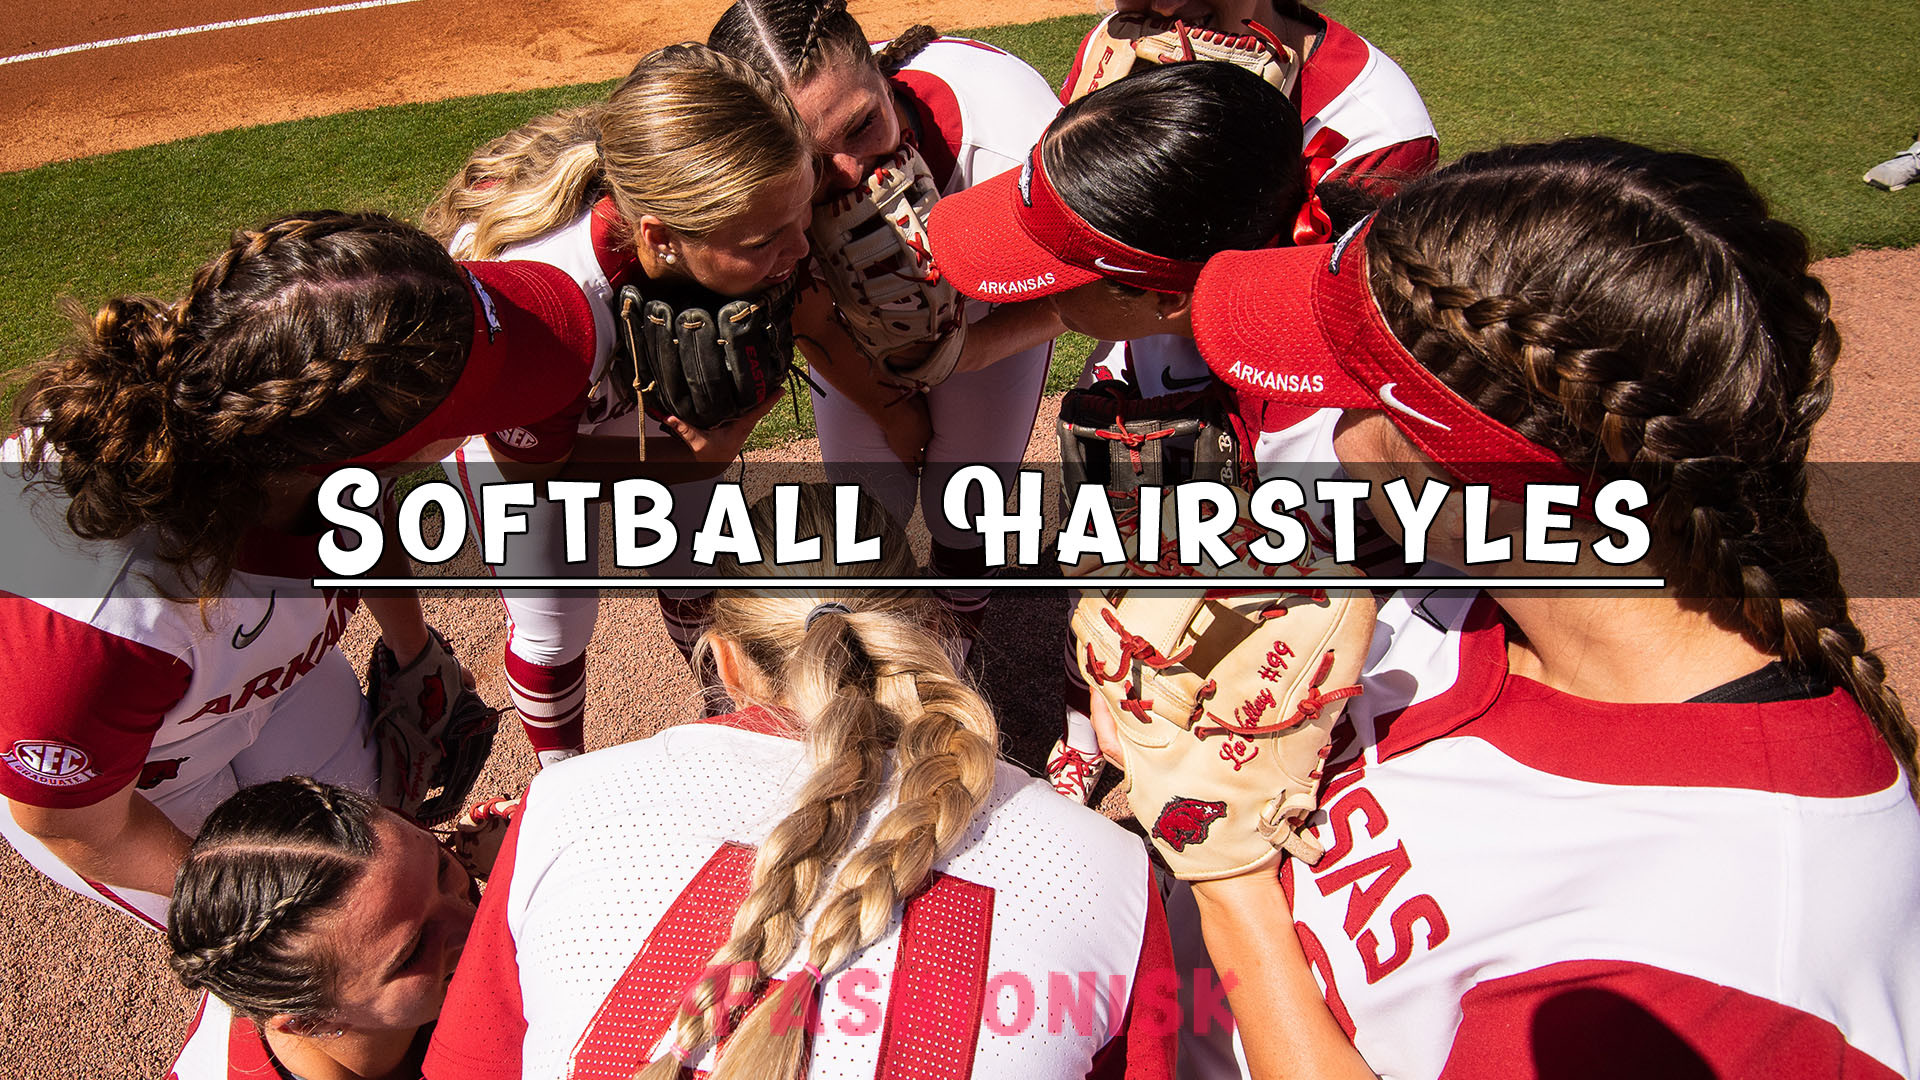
{"x": 869, "y": 683}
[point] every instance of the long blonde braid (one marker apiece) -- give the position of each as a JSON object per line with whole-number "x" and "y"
{"x": 869, "y": 682}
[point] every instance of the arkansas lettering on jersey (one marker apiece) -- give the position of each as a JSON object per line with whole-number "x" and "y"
{"x": 1519, "y": 882}
{"x": 106, "y": 671}
{"x": 625, "y": 868}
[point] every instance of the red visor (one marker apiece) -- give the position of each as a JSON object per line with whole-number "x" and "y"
{"x": 1013, "y": 238}
{"x": 1299, "y": 326}
{"x": 532, "y": 353}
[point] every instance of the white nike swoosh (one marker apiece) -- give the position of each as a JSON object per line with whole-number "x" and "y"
{"x": 1100, "y": 263}
{"x": 1386, "y": 396}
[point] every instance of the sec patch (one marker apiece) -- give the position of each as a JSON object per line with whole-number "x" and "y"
{"x": 55, "y": 764}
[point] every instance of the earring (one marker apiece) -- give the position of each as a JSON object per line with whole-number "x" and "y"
{"x": 667, "y": 256}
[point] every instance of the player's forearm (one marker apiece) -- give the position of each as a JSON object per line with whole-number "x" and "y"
{"x": 1283, "y": 1021}
{"x": 124, "y": 842}
{"x": 403, "y": 625}
{"x": 1012, "y": 328}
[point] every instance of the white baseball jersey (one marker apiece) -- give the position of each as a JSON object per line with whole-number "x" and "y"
{"x": 112, "y": 682}
{"x": 626, "y": 866}
{"x": 222, "y": 1046}
{"x": 977, "y": 112}
{"x": 1519, "y": 882}
{"x": 549, "y": 630}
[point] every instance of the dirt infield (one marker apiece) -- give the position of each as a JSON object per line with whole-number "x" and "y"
{"x": 83, "y": 993}
{"x": 153, "y": 91}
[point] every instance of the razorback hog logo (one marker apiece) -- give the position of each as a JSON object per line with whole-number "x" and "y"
{"x": 1186, "y": 821}
{"x": 433, "y": 697}
{"x": 154, "y": 773}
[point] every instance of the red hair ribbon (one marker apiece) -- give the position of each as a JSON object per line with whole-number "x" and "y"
{"x": 1313, "y": 226}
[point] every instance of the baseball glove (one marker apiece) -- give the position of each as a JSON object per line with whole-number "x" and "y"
{"x": 1225, "y": 702}
{"x": 1125, "y": 40}
{"x": 1112, "y": 437}
{"x": 872, "y": 250}
{"x": 703, "y": 357}
{"x": 480, "y": 832}
{"x": 433, "y": 734}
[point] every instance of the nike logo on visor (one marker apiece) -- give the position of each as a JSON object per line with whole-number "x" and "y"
{"x": 1100, "y": 263}
{"x": 1394, "y": 403}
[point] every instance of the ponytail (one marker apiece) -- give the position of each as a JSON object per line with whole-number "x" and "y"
{"x": 690, "y": 137}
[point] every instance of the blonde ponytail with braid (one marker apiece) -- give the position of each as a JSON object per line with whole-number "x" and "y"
{"x": 866, "y": 674}
{"x": 1642, "y": 315}
{"x": 691, "y": 137}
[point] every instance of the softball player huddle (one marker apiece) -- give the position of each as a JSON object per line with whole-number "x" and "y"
{"x": 1545, "y": 833}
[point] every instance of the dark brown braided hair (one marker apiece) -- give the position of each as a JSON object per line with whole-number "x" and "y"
{"x": 1642, "y": 315}
{"x": 314, "y": 338}
{"x": 790, "y": 41}
{"x": 267, "y": 860}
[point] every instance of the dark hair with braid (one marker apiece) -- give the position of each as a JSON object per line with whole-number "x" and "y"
{"x": 790, "y": 41}
{"x": 315, "y": 338}
{"x": 1642, "y": 315}
{"x": 871, "y": 683}
{"x": 267, "y": 861}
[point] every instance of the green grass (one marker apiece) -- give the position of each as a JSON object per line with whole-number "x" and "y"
{"x": 1803, "y": 95}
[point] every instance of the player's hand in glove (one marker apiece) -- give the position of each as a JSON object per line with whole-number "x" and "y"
{"x": 872, "y": 253}
{"x": 432, "y": 732}
{"x": 1223, "y": 699}
{"x": 701, "y": 358}
{"x": 1129, "y": 39}
{"x": 721, "y": 444}
{"x": 480, "y": 831}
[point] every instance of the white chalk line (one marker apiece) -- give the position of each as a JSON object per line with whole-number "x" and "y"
{"x": 229, "y": 24}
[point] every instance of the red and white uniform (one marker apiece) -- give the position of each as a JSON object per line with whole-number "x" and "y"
{"x": 1358, "y": 108}
{"x": 549, "y": 630}
{"x": 1519, "y": 882}
{"x": 111, "y": 682}
{"x": 222, "y": 1046}
{"x": 626, "y": 866}
{"x": 978, "y": 111}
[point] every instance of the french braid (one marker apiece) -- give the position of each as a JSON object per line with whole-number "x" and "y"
{"x": 315, "y": 338}
{"x": 1640, "y": 313}
{"x": 791, "y": 41}
{"x": 869, "y": 684}
{"x": 265, "y": 863}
